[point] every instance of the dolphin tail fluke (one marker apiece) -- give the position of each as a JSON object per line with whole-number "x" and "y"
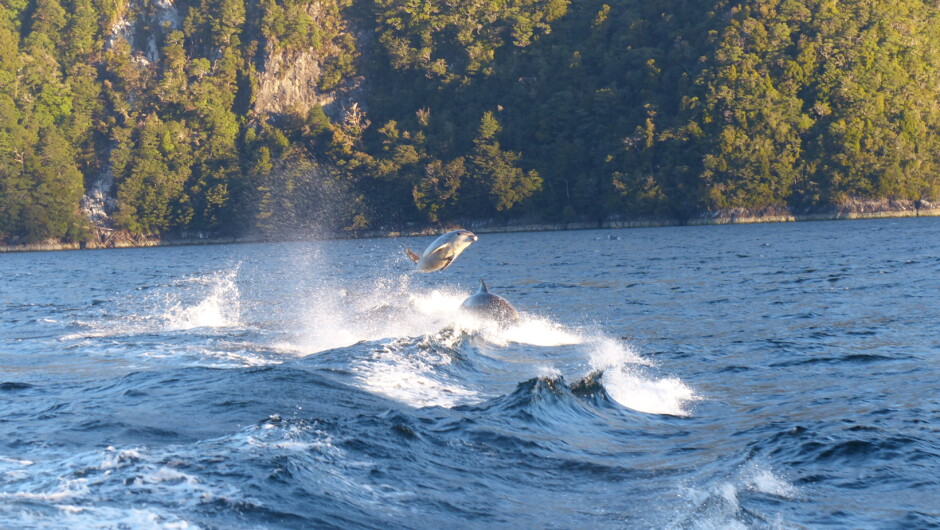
{"x": 414, "y": 257}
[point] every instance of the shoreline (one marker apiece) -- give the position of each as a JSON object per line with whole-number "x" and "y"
{"x": 495, "y": 227}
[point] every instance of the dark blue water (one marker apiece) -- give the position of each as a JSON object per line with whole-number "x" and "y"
{"x": 702, "y": 377}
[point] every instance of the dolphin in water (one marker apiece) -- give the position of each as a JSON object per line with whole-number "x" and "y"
{"x": 443, "y": 251}
{"x": 488, "y": 305}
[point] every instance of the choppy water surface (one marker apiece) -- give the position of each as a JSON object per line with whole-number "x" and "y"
{"x": 700, "y": 377}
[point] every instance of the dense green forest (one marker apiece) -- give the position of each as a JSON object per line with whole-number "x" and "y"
{"x": 228, "y": 117}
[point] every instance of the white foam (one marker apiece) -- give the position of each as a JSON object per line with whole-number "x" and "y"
{"x": 632, "y": 387}
{"x": 536, "y": 331}
{"x": 392, "y": 309}
{"x": 219, "y": 308}
{"x": 413, "y": 377}
{"x": 437, "y": 302}
{"x": 714, "y": 507}
{"x": 606, "y": 352}
{"x": 95, "y": 517}
{"x": 151, "y": 484}
{"x": 165, "y": 474}
{"x": 14, "y": 469}
{"x": 292, "y": 439}
{"x": 719, "y": 504}
{"x": 407, "y": 329}
{"x": 335, "y": 317}
{"x": 730, "y": 494}
{"x": 161, "y": 487}
{"x": 657, "y": 396}
{"x": 67, "y": 489}
{"x": 208, "y": 304}
{"x": 116, "y": 459}
{"x": 205, "y": 301}
{"x": 547, "y": 372}
{"x": 763, "y": 480}
{"x": 14, "y": 461}
{"x": 405, "y": 364}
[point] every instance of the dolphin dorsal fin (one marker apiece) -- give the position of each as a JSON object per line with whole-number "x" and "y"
{"x": 483, "y": 288}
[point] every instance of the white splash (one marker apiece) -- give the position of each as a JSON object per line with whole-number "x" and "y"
{"x": 336, "y": 317}
{"x": 719, "y": 504}
{"x": 714, "y": 507}
{"x": 628, "y": 384}
{"x": 763, "y": 480}
{"x": 411, "y": 327}
{"x": 206, "y": 301}
{"x": 219, "y": 308}
{"x": 413, "y": 376}
{"x": 531, "y": 330}
{"x": 297, "y": 438}
{"x": 730, "y": 494}
{"x": 548, "y": 372}
{"x": 391, "y": 311}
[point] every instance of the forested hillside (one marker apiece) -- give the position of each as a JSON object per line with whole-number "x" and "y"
{"x": 225, "y": 117}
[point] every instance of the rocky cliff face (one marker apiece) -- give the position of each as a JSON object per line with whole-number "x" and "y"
{"x": 144, "y": 24}
{"x": 287, "y": 79}
{"x": 290, "y": 81}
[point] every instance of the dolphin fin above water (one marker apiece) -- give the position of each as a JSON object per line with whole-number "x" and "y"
{"x": 414, "y": 257}
{"x": 487, "y": 305}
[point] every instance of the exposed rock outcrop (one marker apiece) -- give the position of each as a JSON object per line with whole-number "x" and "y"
{"x": 289, "y": 81}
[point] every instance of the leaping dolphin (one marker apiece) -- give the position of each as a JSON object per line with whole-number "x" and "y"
{"x": 443, "y": 251}
{"x": 487, "y": 305}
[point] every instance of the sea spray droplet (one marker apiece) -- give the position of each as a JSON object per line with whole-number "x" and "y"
{"x": 217, "y": 308}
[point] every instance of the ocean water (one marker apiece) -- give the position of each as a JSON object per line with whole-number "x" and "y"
{"x": 751, "y": 376}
